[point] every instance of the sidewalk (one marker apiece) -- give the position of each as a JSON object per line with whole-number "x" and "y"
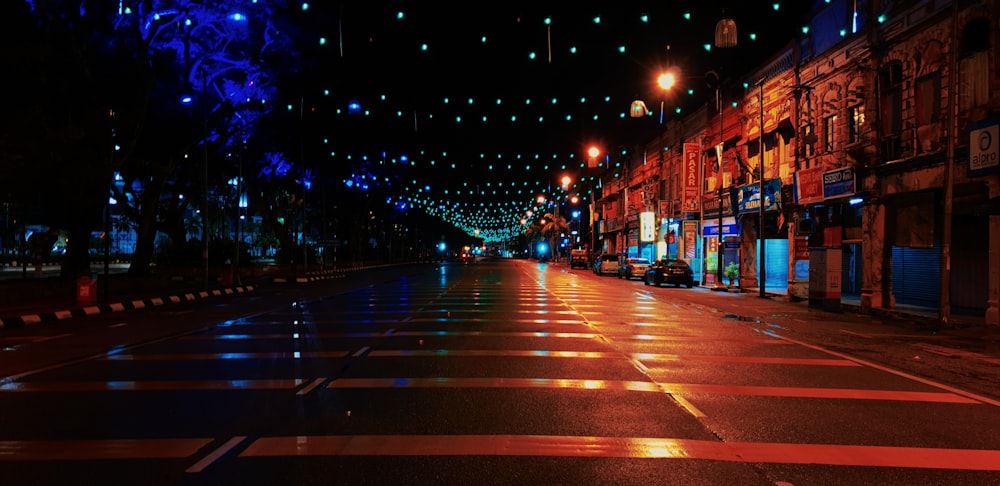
{"x": 969, "y": 333}
{"x": 44, "y": 305}
{"x": 30, "y": 301}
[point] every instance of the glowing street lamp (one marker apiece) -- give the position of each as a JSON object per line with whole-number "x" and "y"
{"x": 667, "y": 80}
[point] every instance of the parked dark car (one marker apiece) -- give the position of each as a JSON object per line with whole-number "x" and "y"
{"x": 669, "y": 271}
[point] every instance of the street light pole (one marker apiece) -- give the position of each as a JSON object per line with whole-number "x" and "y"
{"x": 718, "y": 158}
{"x": 204, "y": 155}
{"x": 760, "y": 192}
{"x": 725, "y": 37}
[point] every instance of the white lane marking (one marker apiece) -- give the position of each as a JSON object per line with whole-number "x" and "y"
{"x": 625, "y": 447}
{"x": 686, "y": 405}
{"x": 918, "y": 379}
{"x": 216, "y": 454}
{"x": 311, "y": 386}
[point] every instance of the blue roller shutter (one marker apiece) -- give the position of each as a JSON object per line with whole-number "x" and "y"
{"x": 916, "y": 276}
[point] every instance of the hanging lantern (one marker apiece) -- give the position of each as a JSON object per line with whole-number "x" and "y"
{"x": 638, "y": 109}
{"x": 725, "y": 33}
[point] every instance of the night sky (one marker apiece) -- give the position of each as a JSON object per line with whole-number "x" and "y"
{"x": 471, "y": 113}
{"x": 481, "y": 109}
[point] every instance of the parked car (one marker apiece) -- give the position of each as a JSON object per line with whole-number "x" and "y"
{"x": 633, "y": 268}
{"x": 606, "y": 264}
{"x": 669, "y": 271}
{"x": 579, "y": 258}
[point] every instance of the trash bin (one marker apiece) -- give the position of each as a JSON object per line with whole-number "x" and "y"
{"x": 86, "y": 290}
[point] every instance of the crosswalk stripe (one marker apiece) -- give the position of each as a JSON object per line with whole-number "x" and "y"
{"x": 624, "y": 447}
{"x": 673, "y": 388}
{"x": 94, "y": 449}
{"x": 148, "y": 385}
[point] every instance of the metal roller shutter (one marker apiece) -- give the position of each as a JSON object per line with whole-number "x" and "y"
{"x": 916, "y": 276}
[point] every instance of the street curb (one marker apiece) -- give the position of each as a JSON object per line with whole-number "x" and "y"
{"x": 103, "y": 308}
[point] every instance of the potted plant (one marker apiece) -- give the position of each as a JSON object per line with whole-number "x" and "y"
{"x": 732, "y": 272}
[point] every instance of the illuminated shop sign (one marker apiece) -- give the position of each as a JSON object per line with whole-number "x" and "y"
{"x": 749, "y": 196}
{"x": 838, "y": 183}
{"x": 984, "y": 149}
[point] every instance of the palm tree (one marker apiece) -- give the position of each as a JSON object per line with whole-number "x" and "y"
{"x": 553, "y": 227}
{"x": 533, "y": 233}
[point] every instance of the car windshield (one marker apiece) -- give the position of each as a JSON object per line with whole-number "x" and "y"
{"x": 672, "y": 263}
{"x": 638, "y": 261}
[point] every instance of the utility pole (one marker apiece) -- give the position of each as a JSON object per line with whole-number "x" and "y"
{"x": 944, "y": 307}
{"x": 760, "y": 192}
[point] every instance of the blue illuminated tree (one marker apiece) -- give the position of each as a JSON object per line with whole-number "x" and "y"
{"x": 215, "y": 66}
{"x": 148, "y": 90}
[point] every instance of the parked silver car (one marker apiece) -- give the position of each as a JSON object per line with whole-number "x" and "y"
{"x": 606, "y": 264}
{"x": 633, "y": 268}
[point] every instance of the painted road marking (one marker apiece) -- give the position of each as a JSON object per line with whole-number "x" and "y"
{"x": 56, "y": 450}
{"x": 645, "y": 386}
{"x": 973, "y": 396}
{"x": 508, "y": 445}
{"x": 538, "y": 353}
{"x": 444, "y": 382}
{"x": 548, "y": 353}
{"x": 624, "y": 447}
{"x": 802, "y": 392}
{"x": 216, "y": 454}
{"x": 565, "y": 335}
{"x": 311, "y": 386}
{"x": 744, "y": 359}
{"x": 208, "y": 356}
{"x": 149, "y": 385}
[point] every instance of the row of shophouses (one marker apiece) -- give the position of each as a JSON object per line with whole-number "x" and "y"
{"x": 878, "y": 151}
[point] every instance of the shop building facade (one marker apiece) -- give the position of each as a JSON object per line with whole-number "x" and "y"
{"x": 877, "y": 146}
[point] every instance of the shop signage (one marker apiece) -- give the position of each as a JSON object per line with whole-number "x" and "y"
{"x": 646, "y": 221}
{"x": 665, "y": 209}
{"x": 984, "y": 147}
{"x": 690, "y": 240}
{"x": 809, "y": 185}
{"x": 727, "y": 229}
{"x": 692, "y": 179}
{"x": 838, "y": 183}
{"x": 749, "y": 196}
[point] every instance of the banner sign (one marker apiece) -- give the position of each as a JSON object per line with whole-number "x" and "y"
{"x": 984, "y": 147}
{"x": 647, "y": 220}
{"x": 809, "y": 185}
{"x": 690, "y": 240}
{"x": 748, "y": 196}
{"x": 692, "y": 178}
{"x": 838, "y": 183}
{"x": 727, "y": 229}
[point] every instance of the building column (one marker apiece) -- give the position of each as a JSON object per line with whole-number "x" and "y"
{"x": 993, "y": 294}
{"x": 748, "y": 252}
{"x": 876, "y": 287}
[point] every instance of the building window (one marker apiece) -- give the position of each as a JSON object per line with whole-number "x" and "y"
{"x": 829, "y": 132}
{"x": 928, "y": 99}
{"x": 891, "y": 84}
{"x": 974, "y": 65}
{"x": 808, "y": 139}
{"x": 857, "y": 121}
